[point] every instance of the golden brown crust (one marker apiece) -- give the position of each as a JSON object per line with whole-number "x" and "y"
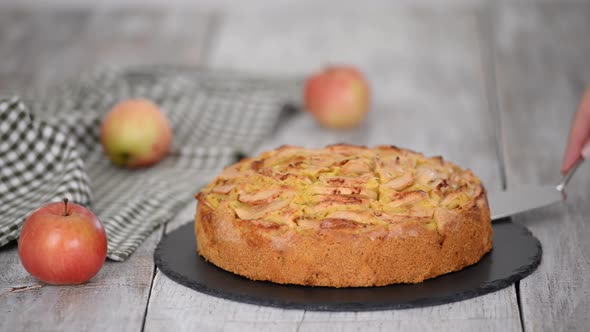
{"x": 343, "y": 216}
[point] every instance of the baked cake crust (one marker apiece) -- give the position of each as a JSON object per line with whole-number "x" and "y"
{"x": 343, "y": 216}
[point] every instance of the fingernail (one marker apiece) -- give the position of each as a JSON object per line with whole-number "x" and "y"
{"x": 586, "y": 151}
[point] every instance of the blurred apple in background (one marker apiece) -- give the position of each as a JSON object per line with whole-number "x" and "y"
{"x": 62, "y": 243}
{"x": 337, "y": 97}
{"x": 135, "y": 133}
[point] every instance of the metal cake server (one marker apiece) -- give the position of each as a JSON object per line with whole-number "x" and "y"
{"x": 513, "y": 201}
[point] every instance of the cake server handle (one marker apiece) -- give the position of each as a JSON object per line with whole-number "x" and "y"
{"x": 566, "y": 178}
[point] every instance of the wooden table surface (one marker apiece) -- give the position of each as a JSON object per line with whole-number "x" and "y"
{"x": 490, "y": 86}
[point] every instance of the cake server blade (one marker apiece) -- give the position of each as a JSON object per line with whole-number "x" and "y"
{"x": 513, "y": 201}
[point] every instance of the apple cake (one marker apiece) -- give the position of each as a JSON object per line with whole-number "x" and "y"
{"x": 343, "y": 216}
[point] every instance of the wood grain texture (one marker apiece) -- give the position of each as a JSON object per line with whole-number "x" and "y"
{"x": 114, "y": 299}
{"x": 50, "y": 46}
{"x": 251, "y": 6}
{"x": 424, "y": 66}
{"x": 31, "y": 40}
{"x": 428, "y": 66}
{"x": 429, "y": 94}
{"x": 44, "y": 47}
{"x": 543, "y": 63}
{"x": 175, "y": 307}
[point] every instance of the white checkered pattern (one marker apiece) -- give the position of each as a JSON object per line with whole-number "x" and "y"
{"x": 215, "y": 118}
{"x": 38, "y": 164}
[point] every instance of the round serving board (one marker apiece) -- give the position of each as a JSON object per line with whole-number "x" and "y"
{"x": 516, "y": 254}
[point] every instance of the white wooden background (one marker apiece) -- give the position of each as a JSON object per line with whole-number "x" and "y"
{"x": 490, "y": 85}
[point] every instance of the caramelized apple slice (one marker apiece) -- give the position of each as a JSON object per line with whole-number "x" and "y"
{"x": 328, "y": 203}
{"x": 260, "y": 197}
{"x": 356, "y": 166}
{"x": 365, "y": 181}
{"x": 231, "y": 172}
{"x": 454, "y": 200}
{"x": 405, "y": 198}
{"x": 319, "y": 189}
{"x": 388, "y": 168}
{"x": 401, "y": 182}
{"x": 362, "y": 217}
{"x": 223, "y": 188}
{"x": 459, "y": 197}
{"x": 341, "y": 200}
{"x": 332, "y": 223}
{"x": 248, "y": 212}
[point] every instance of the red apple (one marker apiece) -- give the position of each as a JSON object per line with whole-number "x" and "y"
{"x": 62, "y": 243}
{"x": 337, "y": 97}
{"x": 135, "y": 133}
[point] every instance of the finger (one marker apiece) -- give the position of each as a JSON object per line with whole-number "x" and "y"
{"x": 579, "y": 133}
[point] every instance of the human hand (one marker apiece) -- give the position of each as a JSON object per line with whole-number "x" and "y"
{"x": 579, "y": 141}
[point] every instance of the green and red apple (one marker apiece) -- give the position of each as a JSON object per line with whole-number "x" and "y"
{"x": 135, "y": 133}
{"x": 337, "y": 97}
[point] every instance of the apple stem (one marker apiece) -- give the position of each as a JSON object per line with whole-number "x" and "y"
{"x": 65, "y": 206}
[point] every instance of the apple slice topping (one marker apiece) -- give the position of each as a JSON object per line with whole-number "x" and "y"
{"x": 260, "y": 197}
{"x": 341, "y": 187}
{"x": 319, "y": 189}
{"x": 356, "y": 166}
{"x": 400, "y": 182}
{"x": 223, "y": 188}
{"x": 333, "y": 223}
{"x": 248, "y": 212}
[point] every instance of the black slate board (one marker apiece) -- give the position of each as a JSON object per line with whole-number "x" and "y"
{"x": 516, "y": 254}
